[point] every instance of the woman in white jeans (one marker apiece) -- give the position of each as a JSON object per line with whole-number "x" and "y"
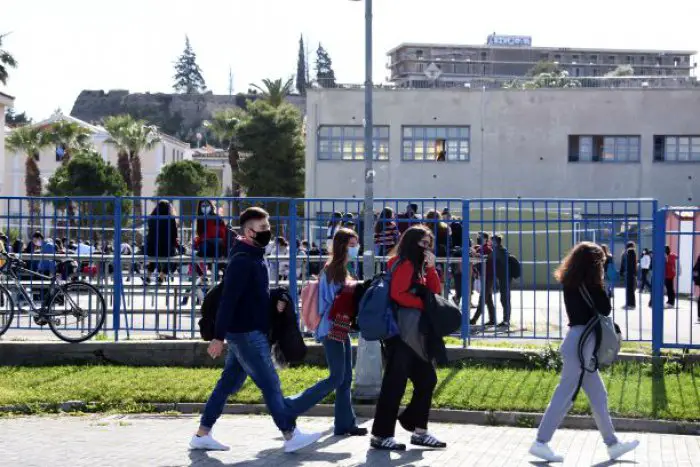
{"x": 582, "y": 266}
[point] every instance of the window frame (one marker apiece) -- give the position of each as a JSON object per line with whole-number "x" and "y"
{"x": 598, "y": 145}
{"x": 661, "y": 144}
{"x": 423, "y": 134}
{"x": 381, "y": 137}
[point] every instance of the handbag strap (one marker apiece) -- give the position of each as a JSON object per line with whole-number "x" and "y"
{"x": 583, "y": 290}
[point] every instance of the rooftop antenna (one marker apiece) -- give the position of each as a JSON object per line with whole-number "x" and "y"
{"x": 230, "y": 82}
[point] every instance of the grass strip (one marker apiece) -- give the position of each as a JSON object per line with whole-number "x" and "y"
{"x": 635, "y": 390}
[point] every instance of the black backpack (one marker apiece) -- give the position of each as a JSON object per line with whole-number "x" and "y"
{"x": 210, "y": 306}
{"x": 514, "y": 267}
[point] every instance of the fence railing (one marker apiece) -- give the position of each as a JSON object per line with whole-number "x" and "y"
{"x": 568, "y": 82}
{"x": 155, "y": 258}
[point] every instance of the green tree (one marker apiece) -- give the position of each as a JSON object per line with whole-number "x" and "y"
{"x": 301, "y": 68}
{"x": 187, "y": 178}
{"x": 87, "y": 174}
{"x": 555, "y": 79}
{"x": 543, "y": 66}
{"x": 272, "y": 138}
{"x": 188, "y": 75}
{"x": 7, "y": 61}
{"x": 13, "y": 119}
{"x": 325, "y": 76}
{"x": 118, "y": 128}
{"x": 29, "y": 141}
{"x": 621, "y": 70}
{"x": 224, "y": 125}
{"x": 275, "y": 91}
{"x": 71, "y": 136}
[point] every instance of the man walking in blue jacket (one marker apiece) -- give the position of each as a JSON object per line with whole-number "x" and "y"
{"x": 243, "y": 320}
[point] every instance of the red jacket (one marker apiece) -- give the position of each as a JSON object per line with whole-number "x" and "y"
{"x": 402, "y": 281}
{"x": 209, "y": 229}
{"x": 671, "y": 266}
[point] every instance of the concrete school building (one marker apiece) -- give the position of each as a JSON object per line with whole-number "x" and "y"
{"x": 589, "y": 143}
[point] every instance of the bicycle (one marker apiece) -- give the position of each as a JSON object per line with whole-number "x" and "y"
{"x": 88, "y": 319}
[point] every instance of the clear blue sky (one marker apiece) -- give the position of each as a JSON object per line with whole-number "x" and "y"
{"x": 66, "y": 46}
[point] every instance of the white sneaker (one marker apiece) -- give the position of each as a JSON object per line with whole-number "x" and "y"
{"x": 207, "y": 443}
{"x": 620, "y": 449}
{"x": 668, "y": 306}
{"x": 300, "y": 440}
{"x": 544, "y": 452}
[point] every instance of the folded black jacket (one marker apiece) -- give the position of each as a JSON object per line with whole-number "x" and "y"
{"x": 285, "y": 338}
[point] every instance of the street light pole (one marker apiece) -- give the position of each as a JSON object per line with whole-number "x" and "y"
{"x": 368, "y": 368}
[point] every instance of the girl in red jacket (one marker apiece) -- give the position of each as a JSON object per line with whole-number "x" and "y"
{"x": 415, "y": 264}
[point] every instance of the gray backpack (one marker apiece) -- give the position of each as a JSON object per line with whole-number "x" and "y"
{"x": 607, "y": 340}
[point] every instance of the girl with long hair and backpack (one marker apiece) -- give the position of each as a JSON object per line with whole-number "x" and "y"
{"x": 413, "y": 265}
{"x": 334, "y": 288}
{"x": 581, "y": 274}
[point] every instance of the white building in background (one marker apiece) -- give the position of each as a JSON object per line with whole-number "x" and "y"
{"x": 5, "y": 102}
{"x": 167, "y": 150}
{"x": 215, "y": 159}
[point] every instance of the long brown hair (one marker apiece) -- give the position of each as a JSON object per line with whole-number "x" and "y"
{"x": 336, "y": 272}
{"x": 583, "y": 265}
{"x": 408, "y": 248}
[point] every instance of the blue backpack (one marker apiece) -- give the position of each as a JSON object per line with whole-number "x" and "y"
{"x": 375, "y": 317}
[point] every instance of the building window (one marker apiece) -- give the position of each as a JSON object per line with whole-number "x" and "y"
{"x": 431, "y": 143}
{"x": 604, "y": 148}
{"x": 347, "y": 143}
{"x": 677, "y": 148}
{"x": 594, "y": 59}
{"x": 172, "y": 157}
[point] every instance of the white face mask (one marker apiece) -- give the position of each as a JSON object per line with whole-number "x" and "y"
{"x": 37, "y": 242}
{"x": 206, "y": 210}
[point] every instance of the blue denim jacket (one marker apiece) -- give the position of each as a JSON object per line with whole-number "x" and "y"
{"x": 327, "y": 292}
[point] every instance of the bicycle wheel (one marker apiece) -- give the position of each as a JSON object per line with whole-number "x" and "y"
{"x": 76, "y": 312}
{"x": 7, "y": 310}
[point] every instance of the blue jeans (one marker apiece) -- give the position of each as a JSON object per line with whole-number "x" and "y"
{"x": 339, "y": 358}
{"x": 249, "y": 355}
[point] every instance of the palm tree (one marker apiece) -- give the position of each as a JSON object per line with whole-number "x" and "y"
{"x": 6, "y": 61}
{"x": 30, "y": 141}
{"x": 70, "y": 136}
{"x": 139, "y": 137}
{"x": 118, "y": 128}
{"x": 224, "y": 125}
{"x": 275, "y": 91}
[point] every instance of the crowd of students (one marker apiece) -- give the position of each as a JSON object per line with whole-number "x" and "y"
{"x": 242, "y": 322}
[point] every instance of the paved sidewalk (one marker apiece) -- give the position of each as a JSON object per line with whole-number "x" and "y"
{"x": 162, "y": 441}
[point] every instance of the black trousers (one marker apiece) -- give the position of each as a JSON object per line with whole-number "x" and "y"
{"x": 402, "y": 364}
{"x": 486, "y": 297}
{"x": 670, "y": 291}
{"x": 645, "y": 280}
{"x": 631, "y": 289}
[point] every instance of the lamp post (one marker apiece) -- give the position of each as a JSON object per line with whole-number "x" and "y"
{"x": 368, "y": 368}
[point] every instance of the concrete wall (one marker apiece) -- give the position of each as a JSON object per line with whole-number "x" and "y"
{"x": 519, "y": 143}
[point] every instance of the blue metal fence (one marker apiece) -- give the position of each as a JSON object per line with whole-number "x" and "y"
{"x": 154, "y": 258}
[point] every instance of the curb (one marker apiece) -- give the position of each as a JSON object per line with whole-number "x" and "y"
{"x": 461, "y": 417}
{"x": 192, "y": 354}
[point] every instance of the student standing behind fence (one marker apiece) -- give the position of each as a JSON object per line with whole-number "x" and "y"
{"x": 696, "y": 281}
{"x": 628, "y": 269}
{"x": 386, "y": 232}
{"x": 415, "y": 264}
{"x": 161, "y": 239}
{"x": 485, "y": 273}
{"x": 244, "y": 321}
{"x": 609, "y": 271}
{"x": 337, "y": 345}
{"x": 645, "y": 266}
{"x": 670, "y": 273}
{"x": 583, "y": 266}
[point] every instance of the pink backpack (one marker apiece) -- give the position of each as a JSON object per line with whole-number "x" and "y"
{"x": 309, "y": 305}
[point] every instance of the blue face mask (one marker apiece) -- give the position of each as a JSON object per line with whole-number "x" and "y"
{"x": 353, "y": 252}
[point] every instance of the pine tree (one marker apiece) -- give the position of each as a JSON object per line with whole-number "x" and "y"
{"x": 188, "y": 75}
{"x": 325, "y": 76}
{"x": 301, "y": 68}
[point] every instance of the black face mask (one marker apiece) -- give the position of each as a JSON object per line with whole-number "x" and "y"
{"x": 262, "y": 238}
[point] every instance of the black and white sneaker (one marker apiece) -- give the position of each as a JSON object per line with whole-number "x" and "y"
{"x": 386, "y": 444}
{"x": 427, "y": 440}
